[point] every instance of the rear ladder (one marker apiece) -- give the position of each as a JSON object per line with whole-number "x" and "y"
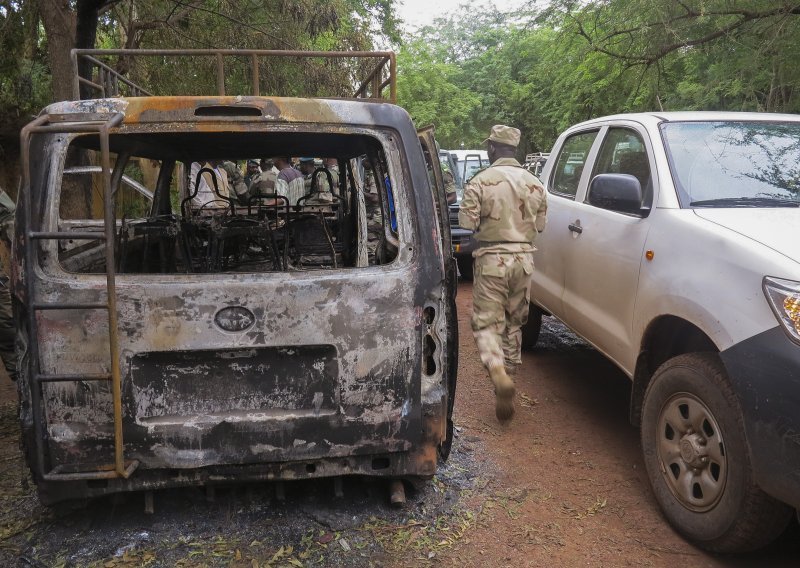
{"x": 119, "y": 468}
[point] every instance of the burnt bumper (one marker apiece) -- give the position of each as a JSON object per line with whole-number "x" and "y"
{"x": 765, "y": 373}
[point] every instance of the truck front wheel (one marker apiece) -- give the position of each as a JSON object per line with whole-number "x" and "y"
{"x": 697, "y": 459}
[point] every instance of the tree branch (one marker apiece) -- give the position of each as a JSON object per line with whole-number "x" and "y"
{"x": 601, "y": 45}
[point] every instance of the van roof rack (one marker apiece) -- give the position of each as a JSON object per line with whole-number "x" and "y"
{"x": 92, "y": 69}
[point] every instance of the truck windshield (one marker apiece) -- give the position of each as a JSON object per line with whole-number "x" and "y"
{"x": 735, "y": 164}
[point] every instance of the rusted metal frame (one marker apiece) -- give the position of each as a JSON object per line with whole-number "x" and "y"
{"x": 384, "y": 56}
{"x": 220, "y": 75}
{"x": 39, "y": 125}
{"x": 255, "y": 77}
{"x": 392, "y": 78}
{"x": 76, "y": 76}
{"x": 95, "y": 86}
{"x": 103, "y": 80}
{"x": 45, "y": 235}
{"x": 111, "y": 291}
{"x": 67, "y": 306}
{"x": 105, "y": 69}
{"x": 236, "y": 52}
{"x": 370, "y": 80}
{"x": 33, "y": 336}
{"x": 72, "y": 377}
{"x": 56, "y": 474}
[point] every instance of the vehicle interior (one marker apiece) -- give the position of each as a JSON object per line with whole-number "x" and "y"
{"x": 161, "y": 227}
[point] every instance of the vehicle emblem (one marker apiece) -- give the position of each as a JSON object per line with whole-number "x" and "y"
{"x": 235, "y": 318}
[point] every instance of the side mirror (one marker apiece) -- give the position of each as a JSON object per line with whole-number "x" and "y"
{"x": 617, "y": 192}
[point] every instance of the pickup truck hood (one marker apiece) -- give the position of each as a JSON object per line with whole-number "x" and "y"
{"x": 776, "y": 228}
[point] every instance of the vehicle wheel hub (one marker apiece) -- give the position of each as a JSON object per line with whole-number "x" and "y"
{"x": 691, "y": 451}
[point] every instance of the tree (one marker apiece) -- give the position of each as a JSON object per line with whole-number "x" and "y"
{"x": 745, "y": 50}
{"x": 426, "y": 88}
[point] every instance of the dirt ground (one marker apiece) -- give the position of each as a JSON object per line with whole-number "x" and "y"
{"x": 562, "y": 485}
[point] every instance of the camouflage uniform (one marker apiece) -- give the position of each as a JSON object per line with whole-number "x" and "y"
{"x": 262, "y": 183}
{"x": 7, "y": 331}
{"x": 449, "y": 181}
{"x": 236, "y": 181}
{"x": 506, "y": 206}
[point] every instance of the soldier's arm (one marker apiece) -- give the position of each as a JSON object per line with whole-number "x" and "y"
{"x": 469, "y": 214}
{"x": 541, "y": 214}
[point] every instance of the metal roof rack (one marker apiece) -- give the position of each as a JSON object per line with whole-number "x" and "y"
{"x": 100, "y": 78}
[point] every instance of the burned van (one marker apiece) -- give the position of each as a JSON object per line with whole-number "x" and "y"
{"x": 176, "y": 330}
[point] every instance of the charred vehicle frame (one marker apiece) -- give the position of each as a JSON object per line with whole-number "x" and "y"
{"x": 165, "y": 344}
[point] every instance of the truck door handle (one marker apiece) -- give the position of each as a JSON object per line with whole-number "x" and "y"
{"x": 575, "y": 228}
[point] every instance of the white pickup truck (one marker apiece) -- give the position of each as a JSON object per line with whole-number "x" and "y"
{"x": 673, "y": 247}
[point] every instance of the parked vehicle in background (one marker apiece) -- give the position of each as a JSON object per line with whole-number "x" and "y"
{"x": 672, "y": 247}
{"x": 535, "y": 162}
{"x": 465, "y": 164}
{"x": 167, "y": 343}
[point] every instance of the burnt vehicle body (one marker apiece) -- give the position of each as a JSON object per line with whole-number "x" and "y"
{"x": 165, "y": 344}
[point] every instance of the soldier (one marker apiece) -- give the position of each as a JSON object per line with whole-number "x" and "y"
{"x": 449, "y": 184}
{"x": 264, "y": 183}
{"x": 236, "y": 180}
{"x": 321, "y": 192}
{"x": 7, "y": 352}
{"x": 253, "y": 172}
{"x": 506, "y": 206}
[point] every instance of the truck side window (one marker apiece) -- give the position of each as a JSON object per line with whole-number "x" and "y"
{"x": 571, "y": 160}
{"x": 623, "y": 152}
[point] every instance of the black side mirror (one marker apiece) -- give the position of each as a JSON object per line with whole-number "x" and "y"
{"x": 617, "y": 192}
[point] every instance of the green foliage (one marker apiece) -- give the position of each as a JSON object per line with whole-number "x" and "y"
{"x": 24, "y": 88}
{"x": 246, "y": 24}
{"x": 559, "y": 62}
{"x": 426, "y": 87}
{"x": 573, "y": 60}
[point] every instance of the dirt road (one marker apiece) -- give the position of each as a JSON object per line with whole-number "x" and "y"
{"x": 563, "y": 485}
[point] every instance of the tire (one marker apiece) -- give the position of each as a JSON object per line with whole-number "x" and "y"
{"x": 530, "y": 331}
{"x": 697, "y": 459}
{"x": 465, "y": 267}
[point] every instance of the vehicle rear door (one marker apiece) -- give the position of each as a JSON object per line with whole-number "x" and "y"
{"x": 449, "y": 355}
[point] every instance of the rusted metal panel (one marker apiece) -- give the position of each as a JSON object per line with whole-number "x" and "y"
{"x": 382, "y": 75}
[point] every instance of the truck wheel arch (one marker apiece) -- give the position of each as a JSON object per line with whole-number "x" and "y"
{"x": 665, "y": 337}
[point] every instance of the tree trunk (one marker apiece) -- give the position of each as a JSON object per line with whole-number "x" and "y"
{"x": 88, "y": 12}
{"x": 59, "y": 26}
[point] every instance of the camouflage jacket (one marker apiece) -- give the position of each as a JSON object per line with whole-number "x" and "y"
{"x": 236, "y": 180}
{"x": 506, "y": 206}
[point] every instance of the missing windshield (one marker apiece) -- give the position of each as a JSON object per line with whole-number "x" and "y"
{"x": 230, "y": 202}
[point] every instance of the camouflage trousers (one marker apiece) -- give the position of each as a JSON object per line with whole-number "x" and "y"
{"x": 500, "y": 291}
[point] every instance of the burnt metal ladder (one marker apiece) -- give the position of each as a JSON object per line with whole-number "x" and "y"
{"x": 93, "y": 123}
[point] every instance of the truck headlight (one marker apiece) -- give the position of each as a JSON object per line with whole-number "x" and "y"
{"x": 784, "y": 299}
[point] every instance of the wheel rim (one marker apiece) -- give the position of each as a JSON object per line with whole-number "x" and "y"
{"x": 691, "y": 451}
